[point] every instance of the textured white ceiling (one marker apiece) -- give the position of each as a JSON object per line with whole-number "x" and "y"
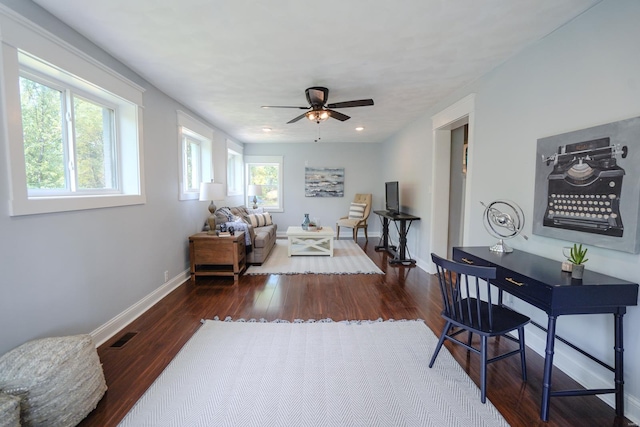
{"x": 226, "y": 58}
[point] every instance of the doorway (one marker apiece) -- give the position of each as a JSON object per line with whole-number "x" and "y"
{"x": 457, "y": 187}
{"x": 459, "y": 114}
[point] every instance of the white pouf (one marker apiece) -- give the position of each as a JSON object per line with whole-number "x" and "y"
{"x": 9, "y": 410}
{"x": 59, "y": 380}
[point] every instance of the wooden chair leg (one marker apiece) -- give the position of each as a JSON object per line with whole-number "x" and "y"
{"x": 337, "y": 232}
{"x": 366, "y": 236}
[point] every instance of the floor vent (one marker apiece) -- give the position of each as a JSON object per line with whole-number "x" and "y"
{"x": 124, "y": 339}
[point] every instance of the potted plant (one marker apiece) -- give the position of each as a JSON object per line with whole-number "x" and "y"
{"x": 577, "y": 257}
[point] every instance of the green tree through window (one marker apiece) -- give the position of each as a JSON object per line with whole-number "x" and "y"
{"x": 66, "y": 152}
{"x": 44, "y": 151}
{"x": 268, "y": 177}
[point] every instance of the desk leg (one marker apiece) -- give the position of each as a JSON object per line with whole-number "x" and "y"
{"x": 548, "y": 365}
{"x": 385, "y": 235}
{"x": 403, "y": 240}
{"x": 619, "y": 366}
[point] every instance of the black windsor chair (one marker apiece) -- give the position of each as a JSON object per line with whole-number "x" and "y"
{"x": 466, "y": 295}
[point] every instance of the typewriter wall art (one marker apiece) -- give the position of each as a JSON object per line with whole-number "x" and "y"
{"x": 587, "y": 186}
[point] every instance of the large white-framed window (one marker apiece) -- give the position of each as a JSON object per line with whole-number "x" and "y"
{"x": 72, "y": 126}
{"x": 69, "y": 137}
{"x": 266, "y": 171}
{"x": 196, "y": 155}
{"x": 235, "y": 169}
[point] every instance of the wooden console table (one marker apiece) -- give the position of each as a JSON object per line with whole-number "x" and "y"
{"x": 212, "y": 255}
{"x": 405, "y": 220}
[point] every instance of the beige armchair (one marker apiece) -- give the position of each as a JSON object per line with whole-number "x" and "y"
{"x": 357, "y": 218}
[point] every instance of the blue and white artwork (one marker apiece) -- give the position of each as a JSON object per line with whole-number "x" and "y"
{"x": 323, "y": 182}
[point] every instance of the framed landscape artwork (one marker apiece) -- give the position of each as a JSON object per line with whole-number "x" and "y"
{"x": 323, "y": 182}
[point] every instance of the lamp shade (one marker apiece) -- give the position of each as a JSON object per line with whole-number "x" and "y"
{"x": 254, "y": 190}
{"x": 212, "y": 191}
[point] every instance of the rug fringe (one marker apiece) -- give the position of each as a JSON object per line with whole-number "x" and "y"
{"x": 327, "y": 320}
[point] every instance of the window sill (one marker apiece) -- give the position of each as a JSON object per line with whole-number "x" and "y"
{"x": 43, "y": 205}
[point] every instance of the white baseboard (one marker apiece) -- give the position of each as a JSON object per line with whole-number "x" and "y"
{"x": 113, "y": 326}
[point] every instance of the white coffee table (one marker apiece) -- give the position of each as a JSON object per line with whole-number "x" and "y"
{"x": 317, "y": 242}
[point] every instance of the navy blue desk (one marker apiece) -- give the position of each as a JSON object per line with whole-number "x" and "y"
{"x": 541, "y": 282}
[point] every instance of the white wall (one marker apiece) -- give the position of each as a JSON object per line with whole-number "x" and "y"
{"x": 361, "y": 163}
{"x": 584, "y": 74}
{"x": 71, "y": 272}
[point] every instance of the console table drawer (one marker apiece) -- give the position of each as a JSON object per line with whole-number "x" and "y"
{"x": 523, "y": 287}
{"x": 516, "y": 284}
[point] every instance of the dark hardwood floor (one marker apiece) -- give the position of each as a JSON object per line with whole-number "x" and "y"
{"x": 402, "y": 293}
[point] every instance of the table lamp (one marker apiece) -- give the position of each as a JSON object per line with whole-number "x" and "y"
{"x": 254, "y": 190}
{"x": 212, "y": 191}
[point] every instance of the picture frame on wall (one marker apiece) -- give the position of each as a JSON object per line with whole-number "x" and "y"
{"x": 586, "y": 186}
{"x": 323, "y": 182}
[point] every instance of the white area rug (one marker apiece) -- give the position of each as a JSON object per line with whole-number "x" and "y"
{"x": 312, "y": 374}
{"x": 348, "y": 258}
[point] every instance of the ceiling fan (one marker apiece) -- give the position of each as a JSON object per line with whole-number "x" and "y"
{"x": 318, "y": 108}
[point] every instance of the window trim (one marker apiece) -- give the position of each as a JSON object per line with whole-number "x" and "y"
{"x": 279, "y": 160}
{"x": 17, "y": 34}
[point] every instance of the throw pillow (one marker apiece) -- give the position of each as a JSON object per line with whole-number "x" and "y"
{"x": 356, "y": 211}
{"x": 260, "y": 220}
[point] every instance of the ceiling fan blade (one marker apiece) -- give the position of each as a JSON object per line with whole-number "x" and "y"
{"x": 283, "y": 106}
{"x": 339, "y": 116}
{"x": 297, "y": 118}
{"x": 357, "y": 103}
{"x": 317, "y": 96}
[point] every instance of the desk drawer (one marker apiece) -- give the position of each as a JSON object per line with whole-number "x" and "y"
{"x": 532, "y": 291}
{"x": 536, "y": 293}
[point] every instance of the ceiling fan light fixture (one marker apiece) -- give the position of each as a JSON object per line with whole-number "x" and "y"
{"x": 317, "y": 116}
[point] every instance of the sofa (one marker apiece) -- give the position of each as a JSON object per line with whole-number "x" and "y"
{"x": 260, "y": 231}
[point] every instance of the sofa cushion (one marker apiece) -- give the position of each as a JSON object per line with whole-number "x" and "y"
{"x": 264, "y": 236}
{"x": 260, "y": 220}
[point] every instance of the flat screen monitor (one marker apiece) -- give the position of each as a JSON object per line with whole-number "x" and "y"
{"x": 392, "y": 196}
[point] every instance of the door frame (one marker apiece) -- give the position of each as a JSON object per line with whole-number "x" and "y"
{"x": 454, "y": 116}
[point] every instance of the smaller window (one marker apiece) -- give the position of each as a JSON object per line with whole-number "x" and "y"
{"x": 266, "y": 171}
{"x": 234, "y": 173}
{"x": 192, "y": 161}
{"x": 195, "y": 156}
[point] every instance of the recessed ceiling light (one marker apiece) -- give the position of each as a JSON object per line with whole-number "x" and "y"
{"x": 359, "y": 128}
{"x": 266, "y": 129}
